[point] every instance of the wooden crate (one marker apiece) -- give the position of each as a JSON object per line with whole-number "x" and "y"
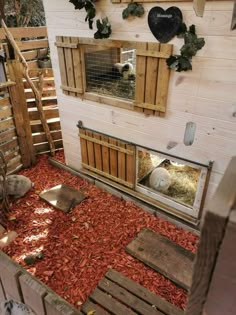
{"x": 107, "y": 156}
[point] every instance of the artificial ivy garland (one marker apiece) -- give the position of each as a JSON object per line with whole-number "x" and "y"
{"x": 103, "y": 26}
{"x": 192, "y": 44}
{"x": 89, "y": 8}
{"x": 181, "y": 62}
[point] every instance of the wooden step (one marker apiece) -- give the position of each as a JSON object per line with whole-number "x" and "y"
{"x": 164, "y": 256}
{"x": 118, "y": 295}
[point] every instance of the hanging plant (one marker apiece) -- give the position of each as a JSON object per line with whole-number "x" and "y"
{"x": 104, "y": 29}
{"x": 133, "y": 9}
{"x": 89, "y": 7}
{"x": 192, "y": 44}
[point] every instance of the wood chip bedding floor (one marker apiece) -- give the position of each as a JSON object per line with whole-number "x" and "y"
{"x": 79, "y": 247}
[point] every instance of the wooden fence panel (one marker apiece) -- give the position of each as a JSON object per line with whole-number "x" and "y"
{"x": 152, "y": 79}
{"x": 69, "y": 55}
{"x": 35, "y": 47}
{"x": 33, "y": 293}
{"x": 21, "y": 286}
{"x": 107, "y": 156}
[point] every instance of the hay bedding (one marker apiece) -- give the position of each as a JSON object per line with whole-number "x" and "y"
{"x": 79, "y": 247}
{"x": 121, "y": 88}
{"x": 184, "y": 179}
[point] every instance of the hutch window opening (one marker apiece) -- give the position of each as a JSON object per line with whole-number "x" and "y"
{"x": 172, "y": 181}
{"x": 111, "y": 72}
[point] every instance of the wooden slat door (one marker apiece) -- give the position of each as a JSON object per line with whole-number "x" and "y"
{"x": 152, "y": 78}
{"x": 70, "y": 57}
{"x": 107, "y": 156}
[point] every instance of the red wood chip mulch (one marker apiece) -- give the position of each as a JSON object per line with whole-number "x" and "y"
{"x": 79, "y": 247}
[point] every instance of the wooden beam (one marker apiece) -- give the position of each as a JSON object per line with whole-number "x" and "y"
{"x": 221, "y": 296}
{"x": 6, "y": 84}
{"x": 20, "y": 32}
{"x": 20, "y": 113}
{"x": 212, "y": 233}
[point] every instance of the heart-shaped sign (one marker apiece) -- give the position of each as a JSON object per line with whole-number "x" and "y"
{"x": 164, "y": 24}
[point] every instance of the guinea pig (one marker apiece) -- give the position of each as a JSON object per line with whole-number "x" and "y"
{"x": 126, "y": 70}
{"x": 160, "y": 179}
{"x": 11, "y": 307}
{"x": 16, "y": 185}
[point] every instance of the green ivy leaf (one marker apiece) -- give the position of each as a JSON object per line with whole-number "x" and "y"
{"x": 179, "y": 63}
{"x": 103, "y": 29}
{"x": 89, "y": 8}
{"x": 190, "y": 48}
{"x": 125, "y": 13}
{"x": 182, "y": 30}
{"x": 139, "y": 11}
{"x": 133, "y": 9}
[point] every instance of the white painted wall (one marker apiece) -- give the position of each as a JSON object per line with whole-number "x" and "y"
{"x": 206, "y": 96}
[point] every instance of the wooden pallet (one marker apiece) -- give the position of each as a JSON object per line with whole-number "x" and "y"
{"x": 164, "y": 256}
{"x": 118, "y": 295}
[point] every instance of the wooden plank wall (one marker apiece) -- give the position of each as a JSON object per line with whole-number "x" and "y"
{"x": 17, "y": 284}
{"x": 37, "y": 45}
{"x": 8, "y": 138}
{"x": 205, "y": 96}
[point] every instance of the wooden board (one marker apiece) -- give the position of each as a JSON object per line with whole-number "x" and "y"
{"x": 212, "y": 235}
{"x": 19, "y": 32}
{"x": 69, "y": 66}
{"x": 63, "y": 197}
{"x": 98, "y": 152}
{"x": 221, "y": 295}
{"x": 140, "y": 79}
{"x": 164, "y": 256}
{"x": 118, "y": 295}
{"x": 163, "y": 78}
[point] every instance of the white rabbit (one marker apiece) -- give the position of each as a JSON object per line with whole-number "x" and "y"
{"x": 17, "y": 185}
{"x": 160, "y": 179}
{"x": 11, "y": 307}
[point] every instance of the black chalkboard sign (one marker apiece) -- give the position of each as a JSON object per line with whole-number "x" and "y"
{"x": 164, "y": 24}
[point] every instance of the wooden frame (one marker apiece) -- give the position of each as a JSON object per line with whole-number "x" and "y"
{"x": 193, "y": 211}
{"x": 152, "y": 73}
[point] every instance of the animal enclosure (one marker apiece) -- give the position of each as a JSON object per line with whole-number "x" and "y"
{"x": 131, "y": 75}
{"x": 131, "y": 166}
{"x": 111, "y": 72}
{"x": 188, "y": 180}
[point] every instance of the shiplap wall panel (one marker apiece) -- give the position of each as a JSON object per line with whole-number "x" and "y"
{"x": 205, "y": 95}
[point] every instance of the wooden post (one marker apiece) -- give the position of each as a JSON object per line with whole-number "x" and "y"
{"x": 20, "y": 112}
{"x": 213, "y": 231}
{"x": 221, "y": 295}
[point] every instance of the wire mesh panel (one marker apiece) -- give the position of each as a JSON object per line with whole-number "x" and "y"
{"x": 111, "y": 72}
